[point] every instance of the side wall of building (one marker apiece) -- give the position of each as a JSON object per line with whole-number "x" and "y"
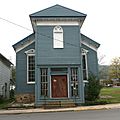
{"x": 24, "y": 91}
{"x": 92, "y": 61}
{"x": 4, "y": 80}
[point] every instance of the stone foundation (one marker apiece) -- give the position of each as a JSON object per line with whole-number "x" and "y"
{"x": 25, "y": 98}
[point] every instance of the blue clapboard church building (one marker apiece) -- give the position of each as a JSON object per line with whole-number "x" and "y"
{"x": 53, "y": 63}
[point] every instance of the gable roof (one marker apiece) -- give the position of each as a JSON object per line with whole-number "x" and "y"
{"x": 5, "y": 60}
{"x": 58, "y": 11}
{"x": 89, "y": 42}
{"x": 24, "y": 42}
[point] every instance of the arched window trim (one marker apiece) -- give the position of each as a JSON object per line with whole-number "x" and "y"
{"x": 58, "y": 37}
{"x": 31, "y": 51}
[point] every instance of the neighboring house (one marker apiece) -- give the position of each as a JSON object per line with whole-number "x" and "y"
{"x": 5, "y": 76}
{"x": 53, "y": 63}
{"x": 12, "y": 80}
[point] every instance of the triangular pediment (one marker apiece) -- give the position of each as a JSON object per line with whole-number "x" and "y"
{"x": 58, "y": 11}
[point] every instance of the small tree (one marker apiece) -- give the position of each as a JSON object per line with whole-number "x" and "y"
{"x": 13, "y": 73}
{"x": 92, "y": 89}
{"x": 114, "y": 71}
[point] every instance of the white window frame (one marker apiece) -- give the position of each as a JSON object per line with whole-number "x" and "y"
{"x": 58, "y": 41}
{"x": 45, "y": 90}
{"x": 74, "y": 82}
{"x": 84, "y": 52}
{"x": 30, "y": 52}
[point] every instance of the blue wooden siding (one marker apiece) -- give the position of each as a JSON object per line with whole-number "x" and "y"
{"x": 92, "y": 60}
{"x": 21, "y": 72}
{"x": 66, "y": 57}
{"x": 45, "y": 52}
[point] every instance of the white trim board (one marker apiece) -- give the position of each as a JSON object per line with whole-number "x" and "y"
{"x": 54, "y": 23}
{"x": 58, "y": 21}
{"x": 24, "y": 45}
{"x": 90, "y": 46}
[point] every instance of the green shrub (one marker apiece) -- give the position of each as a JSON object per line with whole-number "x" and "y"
{"x": 92, "y": 88}
{"x": 96, "y": 102}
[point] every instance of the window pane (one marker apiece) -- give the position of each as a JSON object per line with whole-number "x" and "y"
{"x": 31, "y": 68}
{"x": 84, "y": 75}
{"x": 43, "y": 71}
{"x": 84, "y": 64}
{"x": 84, "y": 61}
{"x": 44, "y": 81}
{"x": 74, "y": 81}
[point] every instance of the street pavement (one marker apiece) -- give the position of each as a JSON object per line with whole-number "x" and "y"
{"x": 41, "y": 110}
{"x": 112, "y": 114}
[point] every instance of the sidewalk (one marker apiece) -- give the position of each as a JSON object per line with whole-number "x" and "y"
{"x": 41, "y": 110}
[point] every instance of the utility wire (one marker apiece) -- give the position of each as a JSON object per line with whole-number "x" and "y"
{"x": 37, "y": 32}
{"x": 15, "y": 24}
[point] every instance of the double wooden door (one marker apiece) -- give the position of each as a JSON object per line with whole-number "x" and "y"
{"x": 59, "y": 86}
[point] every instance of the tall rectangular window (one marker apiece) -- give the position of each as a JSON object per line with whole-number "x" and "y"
{"x": 31, "y": 68}
{"x": 44, "y": 81}
{"x": 74, "y": 82}
{"x": 58, "y": 37}
{"x": 84, "y": 66}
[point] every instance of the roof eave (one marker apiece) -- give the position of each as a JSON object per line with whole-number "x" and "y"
{"x": 6, "y": 60}
{"x": 16, "y": 45}
{"x": 96, "y": 44}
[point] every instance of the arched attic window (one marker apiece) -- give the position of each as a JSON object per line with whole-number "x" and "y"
{"x": 58, "y": 37}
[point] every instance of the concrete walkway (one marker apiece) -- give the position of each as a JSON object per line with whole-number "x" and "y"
{"x": 41, "y": 110}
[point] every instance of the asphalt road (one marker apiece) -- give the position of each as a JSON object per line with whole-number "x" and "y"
{"x": 113, "y": 114}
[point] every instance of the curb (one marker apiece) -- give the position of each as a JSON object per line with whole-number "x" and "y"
{"x": 40, "y": 110}
{"x": 99, "y": 107}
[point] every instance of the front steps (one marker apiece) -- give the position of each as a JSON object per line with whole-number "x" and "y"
{"x": 59, "y": 104}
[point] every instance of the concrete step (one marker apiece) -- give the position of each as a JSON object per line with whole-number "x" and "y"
{"x": 59, "y": 104}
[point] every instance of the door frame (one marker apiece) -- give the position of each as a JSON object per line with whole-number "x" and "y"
{"x": 68, "y": 94}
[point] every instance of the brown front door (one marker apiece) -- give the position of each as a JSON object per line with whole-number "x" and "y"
{"x": 59, "y": 86}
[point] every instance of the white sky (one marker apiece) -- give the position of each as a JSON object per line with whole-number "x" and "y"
{"x": 102, "y": 23}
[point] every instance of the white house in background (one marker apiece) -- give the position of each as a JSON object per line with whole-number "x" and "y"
{"x": 5, "y": 75}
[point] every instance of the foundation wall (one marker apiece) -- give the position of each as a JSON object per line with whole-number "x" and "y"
{"x": 25, "y": 98}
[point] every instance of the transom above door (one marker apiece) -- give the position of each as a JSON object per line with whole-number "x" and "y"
{"x": 59, "y": 87}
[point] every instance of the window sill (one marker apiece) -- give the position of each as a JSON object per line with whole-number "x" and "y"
{"x": 30, "y": 82}
{"x": 85, "y": 81}
{"x": 58, "y": 47}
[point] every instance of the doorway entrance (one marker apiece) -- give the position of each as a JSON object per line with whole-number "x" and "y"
{"x": 59, "y": 87}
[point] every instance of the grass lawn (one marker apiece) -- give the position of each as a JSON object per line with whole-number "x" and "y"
{"x": 111, "y": 95}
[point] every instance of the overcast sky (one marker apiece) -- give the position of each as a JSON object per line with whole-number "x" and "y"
{"x": 102, "y": 23}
